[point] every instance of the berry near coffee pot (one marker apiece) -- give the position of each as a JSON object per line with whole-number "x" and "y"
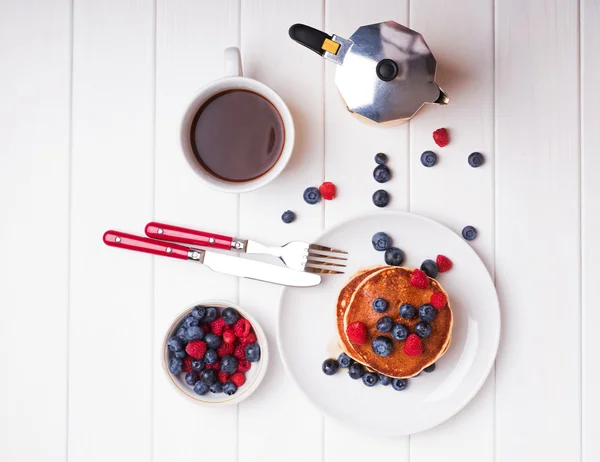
{"x": 385, "y": 71}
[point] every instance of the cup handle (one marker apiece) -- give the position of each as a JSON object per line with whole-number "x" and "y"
{"x": 233, "y": 62}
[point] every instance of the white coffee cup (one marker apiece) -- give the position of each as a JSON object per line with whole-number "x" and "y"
{"x": 234, "y": 80}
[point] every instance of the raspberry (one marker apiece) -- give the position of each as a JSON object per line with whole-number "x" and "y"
{"x": 242, "y": 327}
{"x": 438, "y": 300}
{"x": 327, "y": 190}
{"x": 223, "y": 376}
{"x": 187, "y": 364}
{"x": 357, "y": 333}
{"x": 239, "y": 378}
{"x": 229, "y": 336}
{"x": 217, "y": 326}
{"x": 444, "y": 263}
{"x": 205, "y": 328}
{"x": 216, "y": 366}
{"x": 441, "y": 138}
{"x": 239, "y": 352}
{"x": 196, "y": 349}
{"x": 248, "y": 339}
{"x": 419, "y": 279}
{"x": 225, "y": 349}
{"x": 244, "y": 365}
{"x": 413, "y": 345}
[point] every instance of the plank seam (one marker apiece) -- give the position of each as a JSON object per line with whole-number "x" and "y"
{"x": 152, "y": 264}
{"x": 495, "y": 215}
{"x": 581, "y": 227}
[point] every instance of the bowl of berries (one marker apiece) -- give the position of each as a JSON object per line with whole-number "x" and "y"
{"x": 215, "y": 353}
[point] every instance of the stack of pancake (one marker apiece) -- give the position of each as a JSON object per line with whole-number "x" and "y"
{"x": 392, "y": 284}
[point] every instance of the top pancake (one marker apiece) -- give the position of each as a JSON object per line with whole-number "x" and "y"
{"x": 392, "y": 284}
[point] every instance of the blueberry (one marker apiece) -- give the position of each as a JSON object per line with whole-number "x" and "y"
{"x": 384, "y": 380}
{"x": 356, "y": 371}
{"x": 422, "y": 329}
{"x": 199, "y": 312}
{"x": 253, "y": 352}
{"x": 469, "y": 233}
{"x": 229, "y": 364}
{"x": 229, "y": 388}
{"x": 191, "y": 378}
{"x": 381, "y": 173}
{"x": 370, "y": 379}
{"x": 407, "y": 311}
{"x": 430, "y": 268}
{"x": 208, "y": 376}
{"x": 430, "y": 368}
{"x": 379, "y": 305}
{"x": 211, "y": 314}
{"x": 344, "y": 360}
{"x": 212, "y": 340}
{"x": 288, "y": 216}
{"x": 394, "y": 256}
{"x": 181, "y": 334}
{"x": 380, "y": 158}
{"x": 382, "y": 346}
{"x": 381, "y": 198}
{"x": 330, "y": 366}
{"x": 475, "y": 159}
{"x": 312, "y": 195}
{"x": 197, "y": 365}
{"x": 190, "y": 321}
{"x": 180, "y": 354}
{"x": 216, "y": 387}
{"x": 381, "y": 241}
{"x": 174, "y": 344}
{"x": 399, "y": 332}
{"x": 428, "y": 158}
{"x": 211, "y": 355}
{"x": 194, "y": 333}
{"x": 427, "y": 312}
{"x": 399, "y": 384}
{"x": 175, "y": 366}
{"x": 201, "y": 388}
{"x": 230, "y": 316}
{"x": 384, "y": 324}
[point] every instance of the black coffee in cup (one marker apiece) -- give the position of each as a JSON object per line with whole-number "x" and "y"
{"x": 237, "y": 135}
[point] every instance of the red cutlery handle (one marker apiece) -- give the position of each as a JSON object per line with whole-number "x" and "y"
{"x": 188, "y": 236}
{"x": 143, "y": 244}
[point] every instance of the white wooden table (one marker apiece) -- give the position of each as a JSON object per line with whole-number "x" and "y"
{"x": 91, "y": 92}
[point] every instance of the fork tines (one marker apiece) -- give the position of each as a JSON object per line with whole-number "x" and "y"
{"x": 316, "y": 261}
{"x": 325, "y": 249}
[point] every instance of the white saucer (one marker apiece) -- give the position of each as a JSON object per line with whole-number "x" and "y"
{"x": 307, "y": 334}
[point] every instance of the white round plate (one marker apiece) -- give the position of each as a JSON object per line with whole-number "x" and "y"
{"x": 307, "y": 334}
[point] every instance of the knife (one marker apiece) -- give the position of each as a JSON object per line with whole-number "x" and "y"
{"x": 215, "y": 261}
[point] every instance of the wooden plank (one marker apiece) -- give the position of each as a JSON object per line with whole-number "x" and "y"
{"x": 590, "y": 196}
{"x": 35, "y": 56}
{"x": 538, "y": 407}
{"x": 191, "y": 37}
{"x": 350, "y": 145}
{"x": 277, "y": 420}
{"x": 112, "y": 182}
{"x": 453, "y": 192}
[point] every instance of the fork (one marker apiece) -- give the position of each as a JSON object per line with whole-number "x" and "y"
{"x": 296, "y": 255}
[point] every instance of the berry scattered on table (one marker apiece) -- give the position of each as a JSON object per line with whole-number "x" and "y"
{"x": 381, "y": 198}
{"x": 381, "y": 241}
{"x": 229, "y": 388}
{"x": 384, "y": 324}
{"x": 201, "y": 388}
{"x": 394, "y": 256}
{"x": 428, "y": 158}
{"x": 381, "y": 158}
{"x": 427, "y": 312}
{"x": 357, "y": 333}
{"x": 422, "y": 329}
{"x": 196, "y": 349}
{"x": 430, "y": 368}
{"x": 419, "y": 279}
{"x": 288, "y": 216}
{"x": 413, "y": 345}
{"x": 327, "y": 191}
{"x": 382, "y": 174}
{"x": 438, "y": 300}
{"x": 399, "y": 384}
{"x": 311, "y": 195}
{"x": 475, "y": 159}
{"x": 441, "y": 137}
{"x": 384, "y": 379}
{"x": 175, "y": 366}
{"x": 379, "y": 305}
{"x": 430, "y": 268}
{"x": 344, "y": 360}
{"x": 253, "y": 352}
{"x": 399, "y": 332}
{"x": 356, "y": 371}
{"x": 370, "y": 379}
{"x": 407, "y": 311}
{"x": 444, "y": 263}
{"x": 382, "y": 346}
{"x": 330, "y": 366}
{"x": 469, "y": 233}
